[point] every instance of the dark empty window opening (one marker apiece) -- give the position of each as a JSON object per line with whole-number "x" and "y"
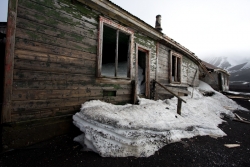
{"x": 141, "y": 86}
{"x": 176, "y": 69}
{"x": 109, "y": 93}
{"x": 115, "y": 53}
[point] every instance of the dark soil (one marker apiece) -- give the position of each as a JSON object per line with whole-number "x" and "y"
{"x": 198, "y": 151}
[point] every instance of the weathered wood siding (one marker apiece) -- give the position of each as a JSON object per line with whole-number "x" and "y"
{"x": 55, "y": 60}
{"x": 213, "y": 81}
{"x": 189, "y": 76}
{"x": 188, "y": 69}
{"x": 151, "y": 45}
{"x": 163, "y": 65}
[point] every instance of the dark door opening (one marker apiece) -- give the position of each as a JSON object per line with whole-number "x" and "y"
{"x": 220, "y": 82}
{"x": 2, "y": 59}
{"x": 141, "y": 84}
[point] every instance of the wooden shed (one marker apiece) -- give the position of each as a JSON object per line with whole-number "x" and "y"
{"x": 217, "y": 78}
{"x": 62, "y": 53}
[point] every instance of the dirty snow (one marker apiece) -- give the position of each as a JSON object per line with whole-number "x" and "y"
{"x": 140, "y": 130}
{"x": 238, "y": 93}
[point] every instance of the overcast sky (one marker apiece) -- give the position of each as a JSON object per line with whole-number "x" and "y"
{"x": 3, "y": 10}
{"x": 207, "y": 28}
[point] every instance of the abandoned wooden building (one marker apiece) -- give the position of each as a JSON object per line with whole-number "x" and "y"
{"x": 218, "y": 78}
{"x": 61, "y": 53}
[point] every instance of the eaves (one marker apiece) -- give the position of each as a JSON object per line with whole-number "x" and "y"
{"x": 116, "y": 12}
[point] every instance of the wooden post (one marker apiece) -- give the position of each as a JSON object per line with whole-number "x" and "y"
{"x": 9, "y": 61}
{"x": 193, "y": 83}
{"x": 169, "y": 91}
{"x": 116, "y": 52}
{"x": 100, "y": 46}
{"x": 179, "y": 106}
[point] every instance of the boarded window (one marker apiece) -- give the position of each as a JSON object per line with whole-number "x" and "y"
{"x": 175, "y": 66}
{"x": 115, "y": 49}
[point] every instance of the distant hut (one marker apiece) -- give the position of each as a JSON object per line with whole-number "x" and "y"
{"x": 218, "y": 78}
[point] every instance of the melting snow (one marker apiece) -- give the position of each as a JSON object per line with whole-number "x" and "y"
{"x": 140, "y": 130}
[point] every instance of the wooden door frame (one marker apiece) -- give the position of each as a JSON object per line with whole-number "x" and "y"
{"x": 147, "y": 69}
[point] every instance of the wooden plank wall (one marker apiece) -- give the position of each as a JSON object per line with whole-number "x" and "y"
{"x": 188, "y": 68}
{"x": 212, "y": 80}
{"x": 163, "y": 65}
{"x": 162, "y": 72}
{"x": 55, "y": 60}
{"x": 151, "y": 45}
{"x": 188, "y": 72}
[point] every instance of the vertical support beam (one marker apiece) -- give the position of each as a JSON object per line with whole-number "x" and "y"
{"x": 170, "y": 66}
{"x": 154, "y": 91}
{"x": 9, "y": 60}
{"x": 100, "y": 45}
{"x": 116, "y": 52}
{"x": 157, "y": 54}
{"x": 147, "y": 73}
{"x": 128, "y": 58}
{"x": 180, "y": 73}
{"x": 136, "y": 73}
{"x": 175, "y": 69}
{"x": 179, "y": 104}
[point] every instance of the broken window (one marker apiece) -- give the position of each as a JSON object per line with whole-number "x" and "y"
{"x": 114, "y": 50}
{"x": 175, "y": 66}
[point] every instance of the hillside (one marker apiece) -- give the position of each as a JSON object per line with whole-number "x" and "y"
{"x": 221, "y": 62}
{"x": 238, "y": 72}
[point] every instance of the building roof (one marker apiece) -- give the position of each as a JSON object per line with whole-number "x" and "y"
{"x": 212, "y": 68}
{"x": 164, "y": 35}
{"x": 119, "y": 12}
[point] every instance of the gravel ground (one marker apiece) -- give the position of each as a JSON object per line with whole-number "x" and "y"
{"x": 198, "y": 151}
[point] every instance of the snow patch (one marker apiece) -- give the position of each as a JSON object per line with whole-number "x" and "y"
{"x": 246, "y": 66}
{"x": 109, "y": 69}
{"x": 140, "y": 130}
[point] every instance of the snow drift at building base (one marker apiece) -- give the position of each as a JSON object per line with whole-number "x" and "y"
{"x": 140, "y": 130}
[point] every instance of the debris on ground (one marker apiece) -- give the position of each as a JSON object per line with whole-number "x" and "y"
{"x": 231, "y": 145}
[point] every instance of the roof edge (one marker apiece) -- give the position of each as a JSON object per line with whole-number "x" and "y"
{"x": 117, "y": 10}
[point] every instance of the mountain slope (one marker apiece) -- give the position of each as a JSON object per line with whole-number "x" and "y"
{"x": 239, "y": 72}
{"x": 240, "y": 75}
{"x": 221, "y": 62}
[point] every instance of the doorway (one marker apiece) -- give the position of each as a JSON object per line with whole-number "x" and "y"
{"x": 142, "y": 72}
{"x": 220, "y": 82}
{"x": 2, "y": 60}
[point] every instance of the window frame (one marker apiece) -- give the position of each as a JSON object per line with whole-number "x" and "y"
{"x": 104, "y": 21}
{"x": 177, "y": 70}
